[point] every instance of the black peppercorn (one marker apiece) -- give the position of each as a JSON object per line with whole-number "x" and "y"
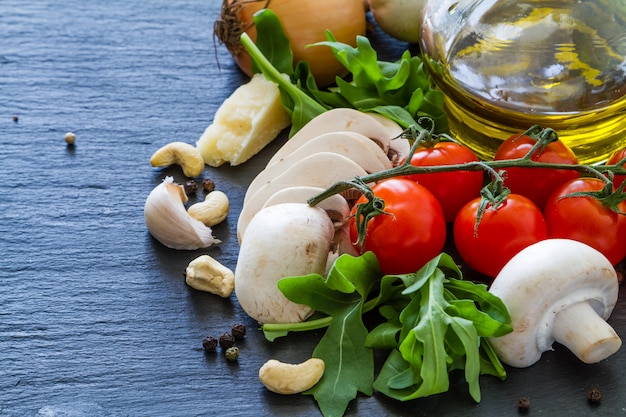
{"x": 594, "y": 395}
{"x": 232, "y": 353}
{"x": 208, "y": 185}
{"x": 209, "y": 344}
{"x": 523, "y": 405}
{"x": 238, "y": 331}
{"x": 191, "y": 187}
{"x": 227, "y": 340}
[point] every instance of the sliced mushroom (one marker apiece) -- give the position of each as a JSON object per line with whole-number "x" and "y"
{"x": 557, "y": 290}
{"x": 354, "y": 145}
{"x": 349, "y": 144}
{"x": 399, "y": 150}
{"x": 337, "y": 209}
{"x": 318, "y": 170}
{"x": 392, "y": 127}
{"x": 335, "y": 206}
{"x": 337, "y": 120}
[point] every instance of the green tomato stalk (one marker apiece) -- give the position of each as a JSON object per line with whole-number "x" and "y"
{"x": 494, "y": 193}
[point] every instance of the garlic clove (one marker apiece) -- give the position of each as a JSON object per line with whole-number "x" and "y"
{"x": 169, "y": 222}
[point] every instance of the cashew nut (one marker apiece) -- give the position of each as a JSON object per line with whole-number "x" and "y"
{"x": 206, "y": 274}
{"x": 180, "y": 153}
{"x": 286, "y": 378}
{"x": 212, "y": 210}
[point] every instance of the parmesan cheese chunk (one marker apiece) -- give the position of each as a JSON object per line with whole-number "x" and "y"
{"x": 244, "y": 124}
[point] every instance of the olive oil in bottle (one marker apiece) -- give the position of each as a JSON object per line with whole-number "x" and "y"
{"x": 506, "y": 65}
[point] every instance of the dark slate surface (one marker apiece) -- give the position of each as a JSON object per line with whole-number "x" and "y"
{"x": 95, "y": 316}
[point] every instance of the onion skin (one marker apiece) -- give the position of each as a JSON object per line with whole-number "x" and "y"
{"x": 304, "y": 22}
{"x": 400, "y": 19}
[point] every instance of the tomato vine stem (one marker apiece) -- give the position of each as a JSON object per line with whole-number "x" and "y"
{"x": 603, "y": 172}
{"x": 492, "y": 194}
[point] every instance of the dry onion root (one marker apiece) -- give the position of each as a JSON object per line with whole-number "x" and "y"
{"x": 304, "y": 21}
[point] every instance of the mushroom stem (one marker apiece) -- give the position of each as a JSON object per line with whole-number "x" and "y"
{"x": 585, "y": 333}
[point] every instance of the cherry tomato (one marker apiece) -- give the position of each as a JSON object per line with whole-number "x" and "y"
{"x": 614, "y": 159}
{"x": 536, "y": 183}
{"x": 501, "y": 234}
{"x": 455, "y": 188}
{"x": 586, "y": 219}
{"x": 411, "y": 234}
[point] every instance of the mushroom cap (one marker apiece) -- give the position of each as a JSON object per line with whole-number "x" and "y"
{"x": 354, "y": 146}
{"x": 320, "y": 169}
{"x": 336, "y": 205}
{"x": 283, "y": 240}
{"x": 542, "y": 280}
{"x": 399, "y": 147}
{"x": 339, "y": 119}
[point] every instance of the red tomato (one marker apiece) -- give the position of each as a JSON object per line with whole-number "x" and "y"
{"x": 536, "y": 183}
{"x": 586, "y": 219}
{"x": 452, "y": 189}
{"x": 411, "y": 234}
{"x": 501, "y": 233}
{"x": 614, "y": 159}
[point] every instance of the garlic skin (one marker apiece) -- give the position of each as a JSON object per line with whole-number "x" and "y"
{"x": 168, "y": 221}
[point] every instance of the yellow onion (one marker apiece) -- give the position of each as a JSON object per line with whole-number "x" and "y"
{"x": 304, "y": 22}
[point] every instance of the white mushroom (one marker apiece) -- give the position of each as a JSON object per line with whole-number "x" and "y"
{"x": 335, "y": 206}
{"x": 282, "y": 240}
{"x": 337, "y": 209}
{"x": 354, "y": 146}
{"x": 557, "y": 290}
{"x": 321, "y": 169}
{"x": 337, "y": 120}
{"x": 393, "y": 129}
{"x": 399, "y": 147}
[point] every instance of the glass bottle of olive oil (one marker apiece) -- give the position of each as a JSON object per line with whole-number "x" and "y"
{"x": 506, "y": 65}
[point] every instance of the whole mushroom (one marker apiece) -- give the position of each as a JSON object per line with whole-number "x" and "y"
{"x": 282, "y": 240}
{"x": 557, "y": 290}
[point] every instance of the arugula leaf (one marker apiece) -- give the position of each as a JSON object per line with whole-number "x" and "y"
{"x": 488, "y": 303}
{"x": 385, "y": 335}
{"x": 405, "y": 83}
{"x": 394, "y": 365}
{"x": 424, "y": 346}
{"x": 441, "y": 331}
{"x": 349, "y": 363}
{"x": 301, "y": 107}
{"x": 467, "y": 334}
{"x": 402, "y": 90}
{"x": 275, "y": 48}
{"x": 433, "y": 322}
{"x": 350, "y": 273}
{"x": 489, "y": 362}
